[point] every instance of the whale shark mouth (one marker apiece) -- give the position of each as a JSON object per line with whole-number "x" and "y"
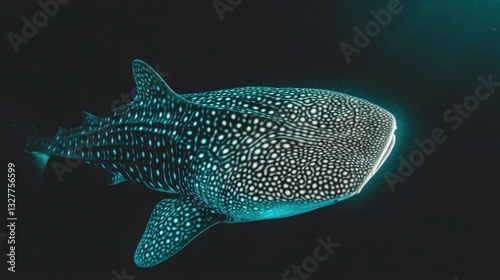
{"x": 385, "y": 153}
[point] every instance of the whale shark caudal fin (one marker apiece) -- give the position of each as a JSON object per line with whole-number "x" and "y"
{"x": 22, "y": 131}
{"x": 37, "y": 163}
{"x": 173, "y": 224}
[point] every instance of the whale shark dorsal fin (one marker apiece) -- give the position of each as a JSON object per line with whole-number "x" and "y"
{"x": 173, "y": 224}
{"x": 150, "y": 83}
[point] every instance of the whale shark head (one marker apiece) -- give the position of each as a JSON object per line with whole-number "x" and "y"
{"x": 297, "y": 149}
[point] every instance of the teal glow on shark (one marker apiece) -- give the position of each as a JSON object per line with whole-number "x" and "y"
{"x": 235, "y": 155}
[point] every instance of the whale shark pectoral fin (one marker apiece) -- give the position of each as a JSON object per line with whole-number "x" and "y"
{"x": 173, "y": 224}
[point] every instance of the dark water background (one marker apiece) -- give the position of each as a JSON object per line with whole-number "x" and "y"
{"x": 440, "y": 223}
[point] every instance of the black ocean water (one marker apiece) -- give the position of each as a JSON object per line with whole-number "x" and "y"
{"x": 431, "y": 212}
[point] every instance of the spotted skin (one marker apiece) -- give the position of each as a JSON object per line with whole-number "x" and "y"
{"x": 237, "y": 155}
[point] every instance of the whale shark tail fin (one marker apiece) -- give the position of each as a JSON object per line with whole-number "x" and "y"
{"x": 173, "y": 224}
{"x": 20, "y": 131}
{"x": 37, "y": 162}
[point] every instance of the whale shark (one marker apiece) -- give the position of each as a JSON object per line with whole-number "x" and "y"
{"x": 228, "y": 156}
